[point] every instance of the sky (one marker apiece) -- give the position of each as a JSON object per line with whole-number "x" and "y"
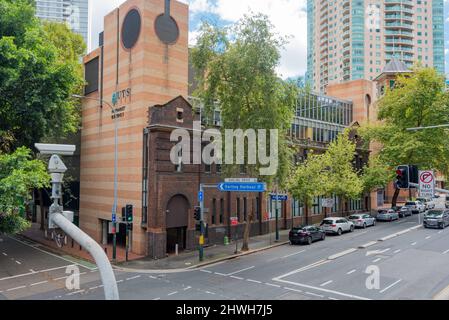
{"x": 288, "y": 16}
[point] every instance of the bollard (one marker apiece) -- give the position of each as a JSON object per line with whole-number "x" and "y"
{"x": 176, "y": 249}
{"x": 226, "y": 240}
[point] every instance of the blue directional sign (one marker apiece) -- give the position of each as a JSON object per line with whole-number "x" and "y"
{"x": 114, "y": 218}
{"x": 242, "y": 186}
{"x": 280, "y": 197}
{"x": 200, "y": 196}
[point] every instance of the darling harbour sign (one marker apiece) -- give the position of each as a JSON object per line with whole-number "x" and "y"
{"x": 258, "y": 149}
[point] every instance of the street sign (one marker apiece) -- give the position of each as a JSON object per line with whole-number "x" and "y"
{"x": 114, "y": 218}
{"x": 328, "y": 203}
{"x": 242, "y": 186}
{"x": 234, "y": 221}
{"x": 200, "y": 196}
{"x": 280, "y": 197}
{"x": 426, "y": 184}
{"x": 241, "y": 180}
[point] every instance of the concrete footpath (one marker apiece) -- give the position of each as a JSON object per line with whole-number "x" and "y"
{"x": 189, "y": 260}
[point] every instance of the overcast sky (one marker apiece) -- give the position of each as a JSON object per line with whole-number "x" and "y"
{"x": 288, "y": 16}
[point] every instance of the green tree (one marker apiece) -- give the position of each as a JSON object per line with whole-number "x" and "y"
{"x": 19, "y": 174}
{"x": 342, "y": 179}
{"x": 418, "y": 99}
{"x": 38, "y": 74}
{"x": 308, "y": 181}
{"x": 236, "y": 67}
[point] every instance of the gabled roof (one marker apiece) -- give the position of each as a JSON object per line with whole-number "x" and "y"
{"x": 395, "y": 66}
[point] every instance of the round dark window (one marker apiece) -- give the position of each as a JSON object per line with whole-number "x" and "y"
{"x": 131, "y": 28}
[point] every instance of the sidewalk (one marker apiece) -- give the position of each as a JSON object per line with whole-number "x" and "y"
{"x": 213, "y": 254}
{"x": 37, "y": 235}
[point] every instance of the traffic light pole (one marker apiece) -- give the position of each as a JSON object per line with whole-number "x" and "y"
{"x": 277, "y": 211}
{"x": 201, "y": 248}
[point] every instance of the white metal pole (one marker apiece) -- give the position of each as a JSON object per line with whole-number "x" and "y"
{"x": 102, "y": 261}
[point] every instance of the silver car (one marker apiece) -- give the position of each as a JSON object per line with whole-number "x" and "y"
{"x": 362, "y": 220}
{"x": 436, "y": 219}
{"x": 387, "y": 215}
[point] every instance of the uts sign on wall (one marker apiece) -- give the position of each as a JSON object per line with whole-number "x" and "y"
{"x": 426, "y": 184}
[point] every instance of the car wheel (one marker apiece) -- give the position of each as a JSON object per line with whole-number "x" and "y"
{"x": 339, "y": 232}
{"x": 364, "y": 225}
{"x": 351, "y": 229}
{"x": 309, "y": 240}
{"x": 374, "y": 223}
{"x": 323, "y": 236}
{"x": 442, "y": 225}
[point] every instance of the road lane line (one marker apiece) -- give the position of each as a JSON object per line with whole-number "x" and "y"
{"x": 414, "y": 243}
{"x": 173, "y": 293}
{"x": 4, "y": 254}
{"x": 155, "y": 299}
{"x": 447, "y": 251}
{"x": 119, "y": 281}
{"x": 272, "y": 285}
{"x": 235, "y": 272}
{"x": 341, "y": 254}
{"x": 207, "y": 271}
{"x": 16, "y": 288}
{"x": 188, "y": 288}
{"x": 293, "y": 254}
{"x": 34, "y": 272}
{"x": 326, "y": 283}
{"x": 308, "y": 267}
{"x": 76, "y": 292}
{"x": 208, "y": 292}
{"x": 352, "y": 271}
{"x": 237, "y": 278}
{"x": 322, "y": 289}
{"x": 377, "y": 260}
{"x": 390, "y": 286}
{"x": 291, "y": 289}
{"x": 330, "y": 298}
{"x": 397, "y": 251}
{"x": 314, "y": 294}
{"x": 427, "y": 238}
{"x": 439, "y": 232}
{"x": 76, "y": 274}
{"x": 132, "y": 278}
{"x": 251, "y": 280}
{"x": 221, "y": 274}
{"x": 38, "y": 283}
{"x": 152, "y": 277}
{"x": 18, "y": 262}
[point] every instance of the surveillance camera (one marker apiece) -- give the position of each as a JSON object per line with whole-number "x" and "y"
{"x": 61, "y": 149}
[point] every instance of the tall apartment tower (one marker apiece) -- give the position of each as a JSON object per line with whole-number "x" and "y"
{"x": 74, "y": 12}
{"x": 355, "y": 39}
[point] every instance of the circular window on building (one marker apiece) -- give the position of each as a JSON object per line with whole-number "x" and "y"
{"x": 131, "y": 28}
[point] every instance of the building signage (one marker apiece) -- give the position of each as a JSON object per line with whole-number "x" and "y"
{"x": 280, "y": 197}
{"x": 119, "y": 98}
{"x": 241, "y": 180}
{"x": 242, "y": 187}
{"x": 426, "y": 184}
{"x": 234, "y": 221}
{"x": 328, "y": 203}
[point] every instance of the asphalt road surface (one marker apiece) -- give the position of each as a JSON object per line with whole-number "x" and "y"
{"x": 411, "y": 265}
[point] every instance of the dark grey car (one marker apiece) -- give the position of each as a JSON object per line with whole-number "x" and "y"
{"x": 436, "y": 219}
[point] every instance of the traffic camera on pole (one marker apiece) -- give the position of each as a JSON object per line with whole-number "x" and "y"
{"x": 197, "y": 213}
{"x": 402, "y": 177}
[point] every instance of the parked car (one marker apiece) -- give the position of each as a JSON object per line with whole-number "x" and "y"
{"x": 415, "y": 206}
{"x": 447, "y": 202}
{"x": 405, "y": 212}
{"x": 387, "y": 215}
{"x": 362, "y": 220}
{"x": 337, "y": 225}
{"x": 437, "y": 218}
{"x": 306, "y": 234}
{"x": 428, "y": 203}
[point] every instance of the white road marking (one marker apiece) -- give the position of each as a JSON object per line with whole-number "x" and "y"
{"x": 291, "y": 289}
{"x": 120, "y": 281}
{"x": 377, "y": 260}
{"x": 153, "y": 277}
{"x": 310, "y": 266}
{"x": 447, "y": 251}
{"x": 235, "y": 272}
{"x": 16, "y": 288}
{"x": 237, "y": 278}
{"x": 351, "y": 272}
{"x": 155, "y": 299}
{"x": 272, "y": 285}
{"x": 132, "y": 278}
{"x": 170, "y": 294}
{"x": 76, "y": 274}
{"x": 390, "y": 286}
{"x": 251, "y": 280}
{"x": 221, "y": 274}
{"x": 293, "y": 254}
{"x": 439, "y": 232}
{"x": 208, "y": 292}
{"x": 34, "y": 272}
{"x": 326, "y": 283}
{"x": 207, "y": 271}
{"x": 4, "y": 254}
{"x": 18, "y": 262}
{"x": 341, "y": 254}
{"x": 427, "y": 238}
{"x": 321, "y": 289}
{"x": 38, "y": 283}
{"x": 414, "y": 243}
{"x": 330, "y": 298}
{"x": 397, "y": 251}
{"x": 187, "y": 288}
{"x": 76, "y": 292}
{"x": 314, "y": 294}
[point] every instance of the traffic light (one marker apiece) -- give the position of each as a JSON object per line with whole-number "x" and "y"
{"x": 129, "y": 213}
{"x": 413, "y": 174}
{"x": 197, "y": 213}
{"x": 402, "y": 177}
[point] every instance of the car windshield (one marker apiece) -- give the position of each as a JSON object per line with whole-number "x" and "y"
{"x": 410, "y": 204}
{"x": 434, "y": 213}
{"x": 295, "y": 229}
{"x": 354, "y": 217}
{"x": 327, "y": 222}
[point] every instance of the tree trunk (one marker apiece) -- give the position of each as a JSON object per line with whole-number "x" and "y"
{"x": 41, "y": 204}
{"x": 245, "y": 245}
{"x": 395, "y": 197}
{"x": 306, "y": 208}
{"x": 341, "y": 205}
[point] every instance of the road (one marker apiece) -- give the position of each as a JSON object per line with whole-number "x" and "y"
{"x": 411, "y": 265}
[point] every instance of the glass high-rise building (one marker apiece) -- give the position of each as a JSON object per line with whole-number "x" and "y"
{"x": 74, "y": 12}
{"x": 355, "y": 39}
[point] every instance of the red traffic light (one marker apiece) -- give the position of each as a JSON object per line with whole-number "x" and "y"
{"x": 399, "y": 172}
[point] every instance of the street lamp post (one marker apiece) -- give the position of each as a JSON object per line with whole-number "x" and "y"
{"x": 114, "y": 206}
